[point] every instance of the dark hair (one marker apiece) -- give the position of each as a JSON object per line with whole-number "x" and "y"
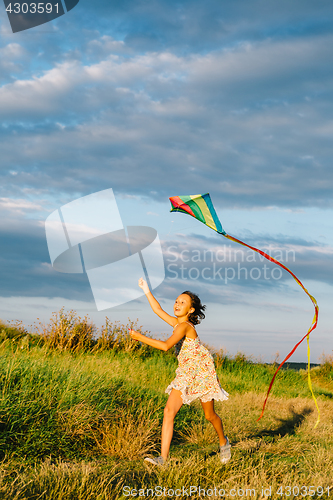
{"x": 198, "y": 313}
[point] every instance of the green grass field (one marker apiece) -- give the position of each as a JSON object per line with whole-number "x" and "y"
{"x": 77, "y": 416}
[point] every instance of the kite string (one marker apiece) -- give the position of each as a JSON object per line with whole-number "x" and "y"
{"x": 313, "y": 326}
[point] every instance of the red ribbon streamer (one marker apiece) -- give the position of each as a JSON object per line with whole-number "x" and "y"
{"x": 313, "y": 326}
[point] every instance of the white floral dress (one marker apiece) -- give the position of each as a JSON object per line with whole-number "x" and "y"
{"x": 196, "y": 376}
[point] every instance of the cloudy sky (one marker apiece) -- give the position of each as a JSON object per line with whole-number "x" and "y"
{"x": 161, "y": 98}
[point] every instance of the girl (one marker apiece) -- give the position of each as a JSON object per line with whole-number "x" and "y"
{"x": 195, "y": 375}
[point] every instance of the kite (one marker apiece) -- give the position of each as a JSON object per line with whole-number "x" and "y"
{"x": 200, "y": 207}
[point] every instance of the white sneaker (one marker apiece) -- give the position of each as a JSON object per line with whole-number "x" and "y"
{"x": 155, "y": 461}
{"x": 225, "y": 452}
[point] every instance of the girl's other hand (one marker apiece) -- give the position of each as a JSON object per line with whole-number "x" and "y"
{"x": 135, "y": 335}
{"x": 143, "y": 285}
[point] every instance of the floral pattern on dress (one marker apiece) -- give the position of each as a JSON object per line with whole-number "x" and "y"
{"x": 196, "y": 376}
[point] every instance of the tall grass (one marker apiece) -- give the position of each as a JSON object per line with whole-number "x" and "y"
{"x": 80, "y": 408}
{"x": 67, "y": 331}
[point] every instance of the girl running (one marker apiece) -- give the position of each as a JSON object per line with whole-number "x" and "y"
{"x": 195, "y": 376}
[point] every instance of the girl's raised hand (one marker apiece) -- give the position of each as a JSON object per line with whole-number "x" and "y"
{"x": 143, "y": 285}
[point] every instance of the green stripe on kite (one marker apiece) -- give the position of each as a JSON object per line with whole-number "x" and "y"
{"x": 187, "y": 205}
{"x": 197, "y": 210}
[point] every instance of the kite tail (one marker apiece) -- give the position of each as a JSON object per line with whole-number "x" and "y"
{"x": 312, "y": 327}
{"x": 309, "y": 379}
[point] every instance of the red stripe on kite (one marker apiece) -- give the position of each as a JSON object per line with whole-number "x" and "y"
{"x": 178, "y": 203}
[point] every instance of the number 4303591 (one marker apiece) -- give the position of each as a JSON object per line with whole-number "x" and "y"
{"x": 32, "y": 8}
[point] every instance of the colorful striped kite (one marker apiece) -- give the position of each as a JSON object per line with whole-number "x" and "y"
{"x": 201, "y": 207}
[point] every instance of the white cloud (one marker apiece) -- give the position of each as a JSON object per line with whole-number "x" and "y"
{"x": 12, "y": 50}
{"x": 246, "y": 68}
{"x": 41, "y": 308}
{"x": 158, "y": 98}
{"x": 19, "y": 206}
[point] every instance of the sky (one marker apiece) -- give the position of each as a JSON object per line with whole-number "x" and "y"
{"x": 163, "y": 98}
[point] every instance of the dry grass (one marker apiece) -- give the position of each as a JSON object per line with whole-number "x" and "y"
{"x": 67, "y": 331}
{"x": 57, "y": 481}
{"x": 117, "y": 434}
{"x": 85, "y": 421}
{"x": 327, "y": 359}
{"x": 128, "y": 438}
{"x": 283, "y": 450}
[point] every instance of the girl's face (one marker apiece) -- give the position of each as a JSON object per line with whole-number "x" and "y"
{"x": 183, "y": 306}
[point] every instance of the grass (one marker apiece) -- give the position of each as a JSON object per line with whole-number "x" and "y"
{"x": 78, "y": 413}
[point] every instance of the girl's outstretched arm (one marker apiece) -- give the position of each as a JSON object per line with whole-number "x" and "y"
{"x": 178, "y": 334}
{"x": 155, "y": 305}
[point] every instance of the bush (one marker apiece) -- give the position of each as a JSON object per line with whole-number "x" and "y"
{"x": 68, "y": 332}
{"x": 326, "y": 366}
{"x": 14, "y": 332}
{"x": 115, "y": 336}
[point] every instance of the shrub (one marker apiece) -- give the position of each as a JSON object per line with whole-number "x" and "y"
{"x": 115, "y": 336}
{"x": 68, "y": 332}
{"x": 15, "y": 331}
{"x": 326, "y": 366}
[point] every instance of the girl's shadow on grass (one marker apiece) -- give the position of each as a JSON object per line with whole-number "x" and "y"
{"x": 287, "y": 425}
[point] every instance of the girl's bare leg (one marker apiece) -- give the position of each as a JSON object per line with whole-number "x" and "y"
{"x": 173, "y": 405}
{"x": 215, "y": 420}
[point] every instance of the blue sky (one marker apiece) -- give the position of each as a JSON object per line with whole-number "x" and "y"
{"x": 155, "y": 99}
